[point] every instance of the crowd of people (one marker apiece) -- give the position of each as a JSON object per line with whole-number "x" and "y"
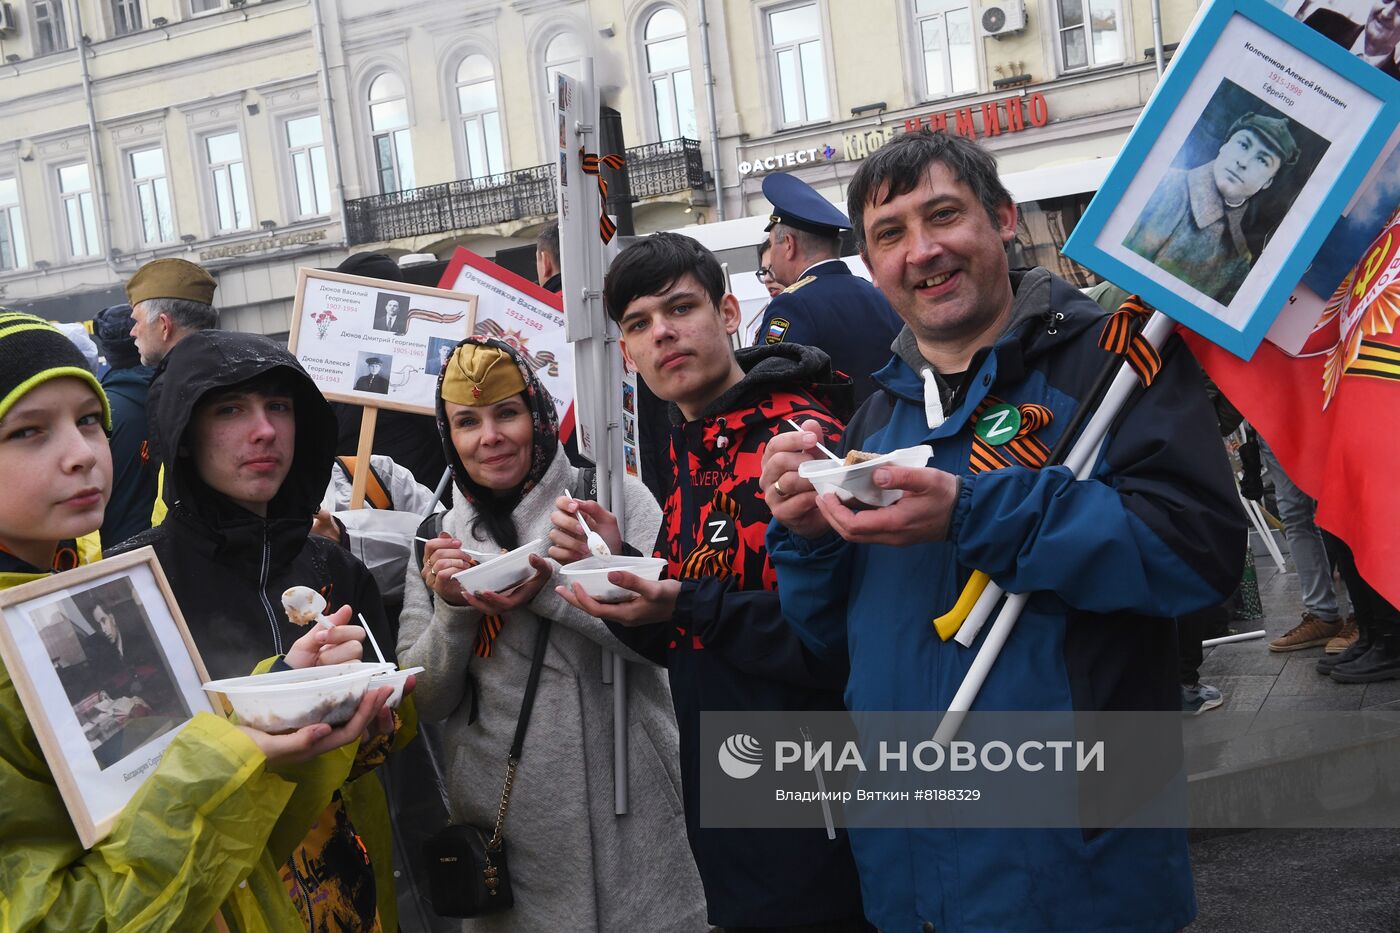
{"x": 218, "y": 450}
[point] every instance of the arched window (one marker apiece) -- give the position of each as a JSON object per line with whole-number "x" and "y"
{"x": 479, "y": 109}
{"x": 563, "y": 53}
{"x": 388, "y": 123}
{"x": 668, "y": 74}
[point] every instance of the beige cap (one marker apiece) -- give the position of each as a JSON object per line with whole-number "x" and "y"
{"x": 171, "y": 278}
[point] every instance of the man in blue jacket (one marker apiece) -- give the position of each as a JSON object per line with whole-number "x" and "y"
{"x": 1156, "y": 532}
{"x": 126, "y": 383}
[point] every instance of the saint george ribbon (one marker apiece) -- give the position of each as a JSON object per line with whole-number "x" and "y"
{"x": 592, "y": 164}
{"x": 1121, "y": 338}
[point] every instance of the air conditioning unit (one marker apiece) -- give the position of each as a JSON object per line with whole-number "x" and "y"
{"x": 7, "y": 18}
{"x": 999, "y": 19}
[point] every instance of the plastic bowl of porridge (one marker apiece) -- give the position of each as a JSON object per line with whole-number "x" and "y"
{"x": 592, "y": 574}
{"x": 855, "y": 482}
{"x": 284, "y": 701}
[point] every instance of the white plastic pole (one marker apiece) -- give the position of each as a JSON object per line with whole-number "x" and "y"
{"x": 1227, "y": 639}
{"x": 1080, "y": 460}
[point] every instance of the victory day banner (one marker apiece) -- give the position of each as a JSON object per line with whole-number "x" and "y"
{"x": 1330, "y": 416}
{"x": 524, "y": 315}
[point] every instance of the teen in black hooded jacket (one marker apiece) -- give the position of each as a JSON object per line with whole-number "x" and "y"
{"x": 228, "y": 567}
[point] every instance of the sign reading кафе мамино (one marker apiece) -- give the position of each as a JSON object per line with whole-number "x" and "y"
{"x": 995, "y": 117}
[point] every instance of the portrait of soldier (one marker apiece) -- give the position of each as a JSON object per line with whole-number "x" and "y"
{"x": 1373, "y": 41}
{"x": 1193, "y": 224}
{"x": 372, "y": 380}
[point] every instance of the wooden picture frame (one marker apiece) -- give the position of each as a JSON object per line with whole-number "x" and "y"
{"x": 108, "y": 674}
{"x": 340, "y": 322}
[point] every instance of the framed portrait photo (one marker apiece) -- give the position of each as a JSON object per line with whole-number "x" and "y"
{"x": 107, "y": 673}
{"x": 1248, "y": 152}
{"x": 376, "y": 343}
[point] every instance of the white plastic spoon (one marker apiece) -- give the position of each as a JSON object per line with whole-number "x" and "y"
{"x": 820, "y": 446}
{"x": 596, "y": 544}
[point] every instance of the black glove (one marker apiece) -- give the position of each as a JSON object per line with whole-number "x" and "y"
{"x": 1251, "y": 479}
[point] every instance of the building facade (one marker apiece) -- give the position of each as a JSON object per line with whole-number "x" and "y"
{"x": 257, "y": 136}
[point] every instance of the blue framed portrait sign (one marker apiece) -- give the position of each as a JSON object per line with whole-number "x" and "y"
{"x": 1258, "y": 136}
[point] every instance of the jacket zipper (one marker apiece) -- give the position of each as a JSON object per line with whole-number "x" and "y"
{"x": 262, "y": 592}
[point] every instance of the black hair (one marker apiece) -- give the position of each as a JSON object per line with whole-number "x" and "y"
{"x": 903, "y": 162}
{"x": 651, "y": 265}
{"x": 764, "y": 247}
{"x": 276, "y": 381}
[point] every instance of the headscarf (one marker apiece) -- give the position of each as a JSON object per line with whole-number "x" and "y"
{"x": 538, "y": 402}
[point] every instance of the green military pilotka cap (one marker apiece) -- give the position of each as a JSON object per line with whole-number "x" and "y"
{"x": 1272, "y": 130}
{"x": 171, "y": 278}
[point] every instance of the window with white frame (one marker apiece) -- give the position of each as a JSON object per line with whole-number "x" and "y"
{"x": 800, "y": 61}
{"x": 229, "y": 179}
{"x": 152, "y": 191}
{"x": 126, "y": 17}
{"x": 668, "y": 75}
{"x": 1091, "y": 33}
{"x": 564, "y": 53}
{"x": 79, "y": 211}
{"x": 388, "y": 122}
{"x": 50, "y": 28}
{"x": 307, "y": 151}
{"x": 13, "y": 254}
{"x": 948, "y": 62}
{"x": 205, "y": 6}
{"x": 479, "y": 109}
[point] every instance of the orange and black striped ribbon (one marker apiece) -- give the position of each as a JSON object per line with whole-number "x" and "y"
{"x": 490, "y": 628}
{"x": 708, "y": 560}
{"x": 1025, "y": 449}
{"x": 1120, "y": 337}
{"x": 592, "y": 165}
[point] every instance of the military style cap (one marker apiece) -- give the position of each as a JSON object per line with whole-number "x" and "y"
{"x": 171, "y": 278}
{"x": 481, "y": 375}
{"x": 1272, "y": 130}
{"x": 373, "y": 361}
{"x": 796, "y": 204}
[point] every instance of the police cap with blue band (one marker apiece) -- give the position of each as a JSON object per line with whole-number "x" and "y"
{"x": 796, "y": 204}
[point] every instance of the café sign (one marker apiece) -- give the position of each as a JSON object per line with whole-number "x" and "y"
{"x": 994, "y": 118}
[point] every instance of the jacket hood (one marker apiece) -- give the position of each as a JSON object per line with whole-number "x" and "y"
{"x": 218, "y": 359}
{"x": 542, "y": 414}
{"x": 785, "y": 365}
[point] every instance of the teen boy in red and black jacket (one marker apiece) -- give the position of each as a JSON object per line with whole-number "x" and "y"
{"x": 715, "y": 622}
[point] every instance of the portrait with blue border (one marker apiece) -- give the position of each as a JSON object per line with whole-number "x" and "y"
{"x": 1241, "y": 163}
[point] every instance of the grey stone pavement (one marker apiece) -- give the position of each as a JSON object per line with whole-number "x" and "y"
{"x": 1265, "y": 880}
{"x": 1253, "y": 678}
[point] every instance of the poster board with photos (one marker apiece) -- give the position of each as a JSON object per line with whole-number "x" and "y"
{"x": 524, "y": 315}
{"x": 108, "y": 675}
{"x": 1238, "y": 167}
{"x": 373, "y": 343}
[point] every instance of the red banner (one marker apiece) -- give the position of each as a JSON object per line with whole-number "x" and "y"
{"x": 1332, "y": 415}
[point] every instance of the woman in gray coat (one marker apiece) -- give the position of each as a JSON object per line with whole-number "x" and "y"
{"x": 574, "y": 864}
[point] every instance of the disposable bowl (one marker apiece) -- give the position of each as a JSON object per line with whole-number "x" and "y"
{"x": 856, "y": 483}
{"x": 395, "y": 679}
{"x": 592, "y": 574}
{"x": 284, "y": 701}
{"x": 501, "y": 572}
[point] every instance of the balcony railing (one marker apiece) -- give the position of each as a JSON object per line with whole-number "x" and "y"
{"x": 655, "y": 169}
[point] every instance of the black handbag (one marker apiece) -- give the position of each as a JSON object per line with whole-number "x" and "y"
{"x": 468, "y": 875}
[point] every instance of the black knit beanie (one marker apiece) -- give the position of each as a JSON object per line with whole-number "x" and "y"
{"x": 33, "y": 351}
{"x": 112, "y": 328}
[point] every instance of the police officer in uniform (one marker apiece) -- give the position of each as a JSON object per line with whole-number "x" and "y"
{"x": 824, "y": 304}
